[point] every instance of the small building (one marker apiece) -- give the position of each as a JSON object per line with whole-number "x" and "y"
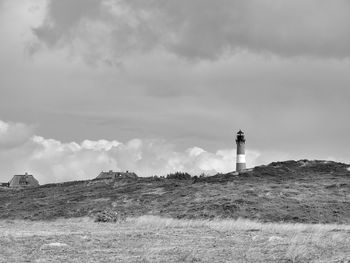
{"x": 115, "y": 175}
{"x": 23, "y": 180}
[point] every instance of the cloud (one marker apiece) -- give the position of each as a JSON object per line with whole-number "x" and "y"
{"x": 63, "y": 16}
{"x": 55, "y": 161}
{"x": 198, "y": 29}
{"x": 14, "y": 134}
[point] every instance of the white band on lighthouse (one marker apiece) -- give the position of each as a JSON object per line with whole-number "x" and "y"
{"x": 240, "y": 158}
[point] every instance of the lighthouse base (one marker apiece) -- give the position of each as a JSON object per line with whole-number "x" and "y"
{"x": 240, "y": 167}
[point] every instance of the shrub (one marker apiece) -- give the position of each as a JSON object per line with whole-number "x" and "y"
{"x": 108, "y": 216}
{"x": 179, "y": 176}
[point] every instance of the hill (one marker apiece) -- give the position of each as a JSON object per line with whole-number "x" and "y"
{"x": 292, "y": 191}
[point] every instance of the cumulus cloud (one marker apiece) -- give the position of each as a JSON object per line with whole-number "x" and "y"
{"x": 198, "y": 29}
{"x": 14, "y": 134}
{"x": 51, "y": 160}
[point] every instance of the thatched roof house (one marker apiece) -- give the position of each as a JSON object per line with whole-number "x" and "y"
{"x": 23, "y": 180}
{"x": 115, "y": 175}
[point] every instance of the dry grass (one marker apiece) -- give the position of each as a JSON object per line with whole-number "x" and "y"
{"x": 156, "y": 239}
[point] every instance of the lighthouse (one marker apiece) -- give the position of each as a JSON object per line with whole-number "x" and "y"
{"x": 240, "y": 141}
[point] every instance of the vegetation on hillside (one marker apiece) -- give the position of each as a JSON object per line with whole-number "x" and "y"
{"x": 294, "y": 191}
{"x": 179, "y": 176}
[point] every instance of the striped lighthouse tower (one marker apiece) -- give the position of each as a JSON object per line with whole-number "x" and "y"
{"x": 240, "y": 141}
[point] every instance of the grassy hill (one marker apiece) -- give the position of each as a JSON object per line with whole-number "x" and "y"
{"x": 293, "y": 191}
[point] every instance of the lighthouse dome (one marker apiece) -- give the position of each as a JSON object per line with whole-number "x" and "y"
{"x": 240, "y": 136}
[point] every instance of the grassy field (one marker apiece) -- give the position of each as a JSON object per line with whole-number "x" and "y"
{"x": 156, "y": 239}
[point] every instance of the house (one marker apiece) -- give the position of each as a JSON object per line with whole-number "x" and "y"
{"x": 115, "y": 175}
{"x": 23, "y": 180}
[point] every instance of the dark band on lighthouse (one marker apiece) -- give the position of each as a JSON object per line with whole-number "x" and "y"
{"x": 240, "y": 162}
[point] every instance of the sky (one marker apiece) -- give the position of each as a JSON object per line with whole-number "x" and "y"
{"x": 161, "y": 86}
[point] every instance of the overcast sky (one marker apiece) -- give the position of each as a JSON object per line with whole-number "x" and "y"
{"x": 163, "y": 85}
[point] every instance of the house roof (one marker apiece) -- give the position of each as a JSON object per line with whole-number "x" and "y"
{"x": 23, "y": 180}
{"x": 113, "y": 175}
